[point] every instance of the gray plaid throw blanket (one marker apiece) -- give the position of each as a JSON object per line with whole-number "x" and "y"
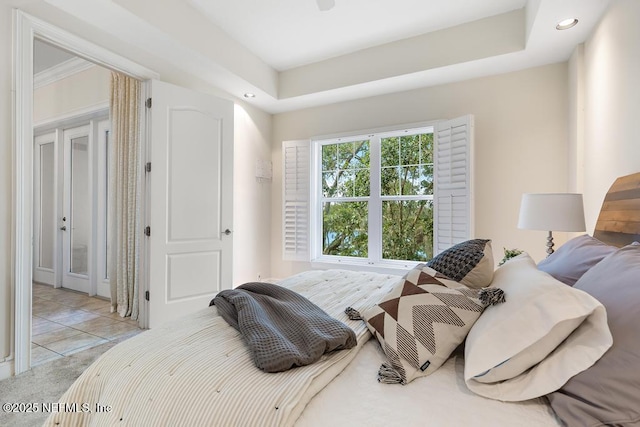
{"x": 282, "y": 328}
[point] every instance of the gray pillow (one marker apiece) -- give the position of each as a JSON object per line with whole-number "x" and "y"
{"x": 607, "y": 393}
{"x": 574, "y": 258}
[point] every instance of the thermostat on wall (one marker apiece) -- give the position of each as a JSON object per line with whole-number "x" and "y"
{"x": 264, "y": 170}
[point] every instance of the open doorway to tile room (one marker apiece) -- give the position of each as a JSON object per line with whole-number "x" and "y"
{"x": 30, "y": 121}
{"x": 71, "y": 306}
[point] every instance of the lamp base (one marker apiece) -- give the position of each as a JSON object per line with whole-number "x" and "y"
{"x": 549, "y": 244}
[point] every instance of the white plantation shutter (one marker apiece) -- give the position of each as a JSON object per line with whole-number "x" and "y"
{"x": 296, "y": 173}
{"x": 453, "y": 207}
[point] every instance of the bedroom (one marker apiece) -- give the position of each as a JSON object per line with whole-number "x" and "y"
{"x": 572, "y": 120}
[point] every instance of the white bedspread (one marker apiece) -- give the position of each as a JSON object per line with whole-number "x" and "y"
{"x": 441, "y": 399}
{"x": 198, "y": 372}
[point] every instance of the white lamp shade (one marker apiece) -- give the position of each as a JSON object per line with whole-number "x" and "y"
{"x": 552, "y": 212}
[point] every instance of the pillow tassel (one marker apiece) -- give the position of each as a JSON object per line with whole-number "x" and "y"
{"x": 388, "y": 375}
{"x": 353, "y": 314}
{"x": 491, "y": 296}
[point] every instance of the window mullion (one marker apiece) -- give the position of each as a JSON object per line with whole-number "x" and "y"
{"x": 409, "y": 197}
{"x": 375, "y": 203}
{"x": 343, "y": 199}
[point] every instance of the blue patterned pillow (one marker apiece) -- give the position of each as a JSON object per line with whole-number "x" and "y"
{"x": 470, "y": 263}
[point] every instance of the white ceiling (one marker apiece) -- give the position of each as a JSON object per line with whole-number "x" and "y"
{"x": 290, "y": 33}
{"x": 46, "y": 56}
{"x": 291, "y": 55}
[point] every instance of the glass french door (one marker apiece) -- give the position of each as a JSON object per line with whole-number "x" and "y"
{"x": 70, "y": 228}
{"x": 76, "y": 222}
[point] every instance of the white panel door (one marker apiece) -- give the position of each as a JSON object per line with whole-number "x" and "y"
{"x": 191, "y": 205}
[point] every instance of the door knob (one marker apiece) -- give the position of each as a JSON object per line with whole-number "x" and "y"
{"x": 227, "y": 231}
{"x": 63, "y": 228}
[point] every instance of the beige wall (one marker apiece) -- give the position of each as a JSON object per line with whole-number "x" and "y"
{"x": 251, "y": 199}
{"x": 612, "y": 103}
{"x": 79, "y": 91}
{"x": 520, "y": 144}
{"x": 576, "y": 120}
{"x": 252, "y": 139}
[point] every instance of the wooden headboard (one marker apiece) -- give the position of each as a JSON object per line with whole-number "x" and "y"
{"x": 619, "y": 220}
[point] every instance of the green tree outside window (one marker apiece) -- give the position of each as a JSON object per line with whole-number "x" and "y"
{"x": 405, "y": 193}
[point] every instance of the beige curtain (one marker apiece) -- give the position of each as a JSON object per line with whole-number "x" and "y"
{"x": 124, "y": 195}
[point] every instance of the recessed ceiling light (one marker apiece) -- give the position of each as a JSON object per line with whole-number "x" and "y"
{"x": 325, "y": 5}
{"x": 249, "y": 95}
{"x": 565, "y": 24}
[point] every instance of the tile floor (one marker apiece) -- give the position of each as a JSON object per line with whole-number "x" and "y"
{"x": 65, "y": 322}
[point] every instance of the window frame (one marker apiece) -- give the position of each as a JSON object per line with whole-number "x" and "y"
{"x": 375, "y": 199}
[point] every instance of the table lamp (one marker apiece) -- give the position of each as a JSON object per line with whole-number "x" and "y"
{"x": 551, "y": 212}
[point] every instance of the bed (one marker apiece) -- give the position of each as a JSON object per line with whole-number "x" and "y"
{"x": 197, "y": 371}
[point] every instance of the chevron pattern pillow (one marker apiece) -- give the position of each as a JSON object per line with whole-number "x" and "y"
{"x": 421, "y": 322}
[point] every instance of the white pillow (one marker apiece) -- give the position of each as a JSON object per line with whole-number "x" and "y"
{"x": 545, "y": 333}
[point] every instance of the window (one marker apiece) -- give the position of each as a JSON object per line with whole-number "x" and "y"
{"x": 378, "y": 198}
{"x": 345, "y": 180}
{"x": 406, "y": 188}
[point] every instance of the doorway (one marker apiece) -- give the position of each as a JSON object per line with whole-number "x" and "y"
{"x": 71, "y": 308}
{"x": 70, "y": 228}
{"x": 27, "y": 29}
{"x": 188, "y": 243}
